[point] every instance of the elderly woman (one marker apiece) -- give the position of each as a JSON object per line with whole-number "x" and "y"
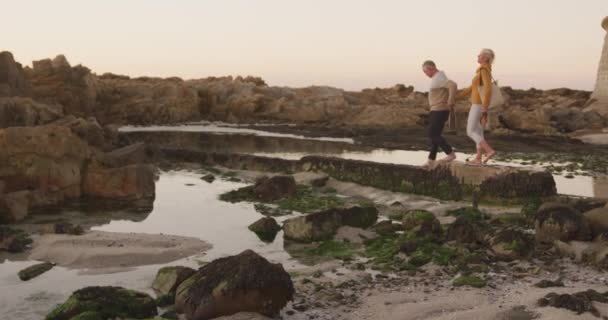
{"x": 478, "y": 114}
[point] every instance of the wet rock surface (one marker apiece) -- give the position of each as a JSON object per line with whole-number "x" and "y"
{"x": 169, "y": 278}
{"x": 265, "y": 228}
{"x": 274, "y": 188}
{"x": 557, "y": 221}
{"x": 242, "y": 283}
{"x": 105, "y": 303}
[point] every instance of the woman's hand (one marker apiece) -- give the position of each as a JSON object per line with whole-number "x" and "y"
{"x": 484, "y": 118}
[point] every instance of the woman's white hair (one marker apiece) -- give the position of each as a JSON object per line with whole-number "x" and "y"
{"x": 489, "y": 53}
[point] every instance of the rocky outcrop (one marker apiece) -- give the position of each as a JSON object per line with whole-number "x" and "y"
{"x": 105, "y": 303}
{"x": 88, "y": 130}
{"x": 243, "y": 283}
{"x": 41, "y": 167}
{"x": 324, "y": 224}
{"x": 557, "y": 221}
{"x": 25, "y": 112}
{"x": 12, "y": 79}
{"x": 56, "y": 82}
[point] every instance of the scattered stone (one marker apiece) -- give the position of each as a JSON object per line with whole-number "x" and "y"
{"x": 579, "y": 302}
{"x": 105, "y": 303}
{"x": 386, "y": 227}
{"x": 557, "y": 221}
{"x": 265, "y": 228}
{"x": 421, "y": 223}
{"x": 510, "y": 244}
{"x": 169, "y": 278}
{"x": 549, "y": 283}
{"x": 209, "y": 178}
{"x": 274, "y": 188}
{"x": 13, "y": 240}
{"x": 242, "y": 283}
{"x": 472, "y": 281}
{"x": 68, "y": 228}
{"x": 35, "y": 270}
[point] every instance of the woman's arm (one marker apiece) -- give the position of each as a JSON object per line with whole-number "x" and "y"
{"x": 487, "y": 88}
{"x": 464, "y": 93}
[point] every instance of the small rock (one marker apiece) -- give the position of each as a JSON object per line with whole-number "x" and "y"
{"x": 208, "y": 178}
{"x": 266, "y": 228}
{"x": 274, "y": 188}
{"x": 169, "y": 278}
{"x": 35, "y": 270}
{"x": 549, "y": 283}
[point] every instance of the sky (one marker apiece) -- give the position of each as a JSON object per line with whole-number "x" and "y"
{"x": 351, "y": 44}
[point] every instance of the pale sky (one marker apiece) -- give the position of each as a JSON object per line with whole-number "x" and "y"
{"x": 350, "y": 44}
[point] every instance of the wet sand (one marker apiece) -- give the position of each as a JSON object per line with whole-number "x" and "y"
{"x": 114, "y": 251}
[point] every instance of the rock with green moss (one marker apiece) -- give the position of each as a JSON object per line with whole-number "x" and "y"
{"x": 105, "y": 303}
{"x": 386, "y": 227}
{"x": 169, "y": 278}
{"x": 13, "y": 240}
{"x": 510, "y": 244}
{"x": 558, "y": 221}
{"x": 469, "y": 226}
{"x": 323, "y": 225}
{"x": 472, "y": 281}
{"x": 265, "y": 228}
{"x": 35, "y": 270}
{"x": 422, "y": 222}
{"x": 274, "y": 188}
{"x": 242, "y": 283}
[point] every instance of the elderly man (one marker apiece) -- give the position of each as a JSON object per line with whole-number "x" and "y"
{"x": 442, "y": 94}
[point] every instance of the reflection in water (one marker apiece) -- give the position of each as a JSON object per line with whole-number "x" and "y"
{"x": 179, "y": 209}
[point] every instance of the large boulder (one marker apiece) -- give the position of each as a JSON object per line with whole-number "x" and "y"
{"x": 169, "y": 278}
{"x": 274, "y": 188}
{"x": 12, "y": 79}
{"x": 130, "y": 182}
{"x": 598, "y": 220}
{"x": 558, "y": 221}
{"x": 46, "y": 157}
{"x": 243, "y": 283}
{"x": 88, "y": 130}
{"x": 105, "y": 303}
{"x": 24, "y": 112}
{"x": 324, "y": 224}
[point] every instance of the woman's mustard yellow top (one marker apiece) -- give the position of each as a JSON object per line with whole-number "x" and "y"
{"x": 482, "y": 75}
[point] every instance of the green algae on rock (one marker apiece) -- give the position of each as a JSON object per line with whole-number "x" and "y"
{"x": 105, "y": 303}
{"x": 35, "y": 270}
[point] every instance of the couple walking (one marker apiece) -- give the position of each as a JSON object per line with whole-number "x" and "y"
{"x": 442, "y": 96}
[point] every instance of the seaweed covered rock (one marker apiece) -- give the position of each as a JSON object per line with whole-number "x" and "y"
{"x": 105, "y": 303}
{"x": 13, "y": 240}
{"x": 579, "y": 302}
{"x": 510, "y": 244}
{"x": 422, "y": 223}
{"x": 386, "y": 227}
{"x": 557, "y": 221}
{"x": 469, "y": 226}
{"x": 34, "y": 271}
{"x": 266, "y": 228}
{"x": 242, "y": 283}
{"x": 324, "y": 224}
{"x": 274, "y": 188}
{"x": 169, "y": 278}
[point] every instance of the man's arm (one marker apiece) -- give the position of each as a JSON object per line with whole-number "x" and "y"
{"x": 453, "y": 91}
{"x": 464, "y": 93}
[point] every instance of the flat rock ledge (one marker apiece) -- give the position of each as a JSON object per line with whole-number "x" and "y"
{"x": 452, "y": 181}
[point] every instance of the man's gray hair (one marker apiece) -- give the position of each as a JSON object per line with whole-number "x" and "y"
{"x": 429, "y": 63}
